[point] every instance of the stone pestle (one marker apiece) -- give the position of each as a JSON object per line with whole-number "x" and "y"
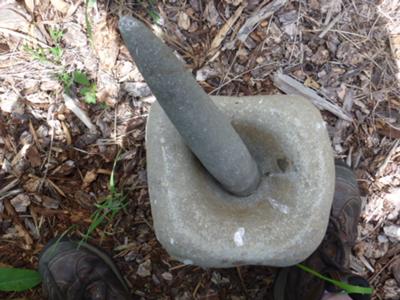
{"x": 205, "y": 129}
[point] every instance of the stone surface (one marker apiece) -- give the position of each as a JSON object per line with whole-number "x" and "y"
{"x": 280, "y": 224}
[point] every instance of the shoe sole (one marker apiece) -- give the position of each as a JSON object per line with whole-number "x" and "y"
{"x": 92, "y": 249}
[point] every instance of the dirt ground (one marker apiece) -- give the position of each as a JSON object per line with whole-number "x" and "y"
{"x": 57, "y": 147}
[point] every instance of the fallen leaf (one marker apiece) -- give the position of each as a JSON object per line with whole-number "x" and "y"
{"x": 30, "y": 5}
{"x": 90, "y": 176}
{"x": 60, "y": 5}
{"x": 311, "y": 83}
{"x": 33, "y": 156}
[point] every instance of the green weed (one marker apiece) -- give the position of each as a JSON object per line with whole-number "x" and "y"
{"x": 18, "y": 280}
{"x": 67, "y": 80}
{"x": 56, "y": 50}
{"x": 107, "y": 209}
{"x": 38, "y": 54}
{"x": 348, "y": 288}
{"x": 88, "y": 89}
{"x": 89, "y": 28}
{"x": 44, "y": 55}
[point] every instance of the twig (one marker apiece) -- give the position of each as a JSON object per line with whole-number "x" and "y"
{"x": 73, "y": 106}
{"x": 23, "y": 36}
{"x": 289, "y": 85}
{"x": 18, "y": 224}
{"x": 330, "y": 25}
{"x": 382, "y": 167}
{"x": 9, "y": 186}
{"x": 259, "y": 16}
{"x": 241, "y": 280}
{"x": 241, "y": 74}
{"x": 224, "y": 31}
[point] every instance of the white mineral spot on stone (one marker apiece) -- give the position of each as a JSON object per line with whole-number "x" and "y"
{"x": 283, "y": 208}
{"x": 128, "y": 23}
{"x": 188, "y": 262}
{"x": 172, "y": 241}
{"x": 238, "y": 237}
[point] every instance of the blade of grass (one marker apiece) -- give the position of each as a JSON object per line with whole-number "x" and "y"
{"x": 348, "y": 288}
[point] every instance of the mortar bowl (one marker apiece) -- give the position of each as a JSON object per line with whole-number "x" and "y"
{"x": 281, "y": 223}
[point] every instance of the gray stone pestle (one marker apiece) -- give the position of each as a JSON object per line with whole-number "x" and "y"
{"x": 205, "y": 129}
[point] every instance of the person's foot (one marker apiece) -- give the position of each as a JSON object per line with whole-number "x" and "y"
{"x": 74, "y": 271}
{"x": 332, "y": 256}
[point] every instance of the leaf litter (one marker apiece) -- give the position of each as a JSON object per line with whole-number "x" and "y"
{"x": 57, "y": 153}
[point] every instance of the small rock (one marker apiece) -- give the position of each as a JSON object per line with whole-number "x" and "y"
{"x": 144, "y": 269}
{"x": 167, "y": 276}
{"x": 137, "y": 89}
{"x": 392, "y": 231}
{"x": 204, "y": 73}
{"x": 9, "y": 103}
{"x": 183, "y": 21}
{"x": 20, "y": 202}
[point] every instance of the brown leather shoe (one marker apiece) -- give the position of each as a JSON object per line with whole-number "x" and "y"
{"x": 332, "y": 256}
{"x": 73, "y": 271}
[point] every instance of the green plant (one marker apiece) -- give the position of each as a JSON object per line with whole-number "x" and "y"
{"x": 152, "y": 11}
{"x": 42, "y": 54}
{"x": 66, "y": 79}
{"x": 88, "y": 89}
{"x": 348, "y": 288}
{"x": 108, "y": 208}
{"x": 37, "y": 53}
{"x": 56, "y": 50}
{"x": 18, "y": 280}
{"x": 89, "y": 29}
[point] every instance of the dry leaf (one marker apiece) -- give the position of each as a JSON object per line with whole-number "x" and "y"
{"x": 15, "y": 18}
{"x": 106, "y": 43}
{"x": 312, "y": 83}
{"x": 60, "y": 5}
{"x": 30, "y": 5}
{"x": 90, "y": 176}
{"x": 33, "y": 156}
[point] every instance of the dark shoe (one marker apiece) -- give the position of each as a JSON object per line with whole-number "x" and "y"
{"x": 332, "y": 256}
{"x": 74, "y": 271}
